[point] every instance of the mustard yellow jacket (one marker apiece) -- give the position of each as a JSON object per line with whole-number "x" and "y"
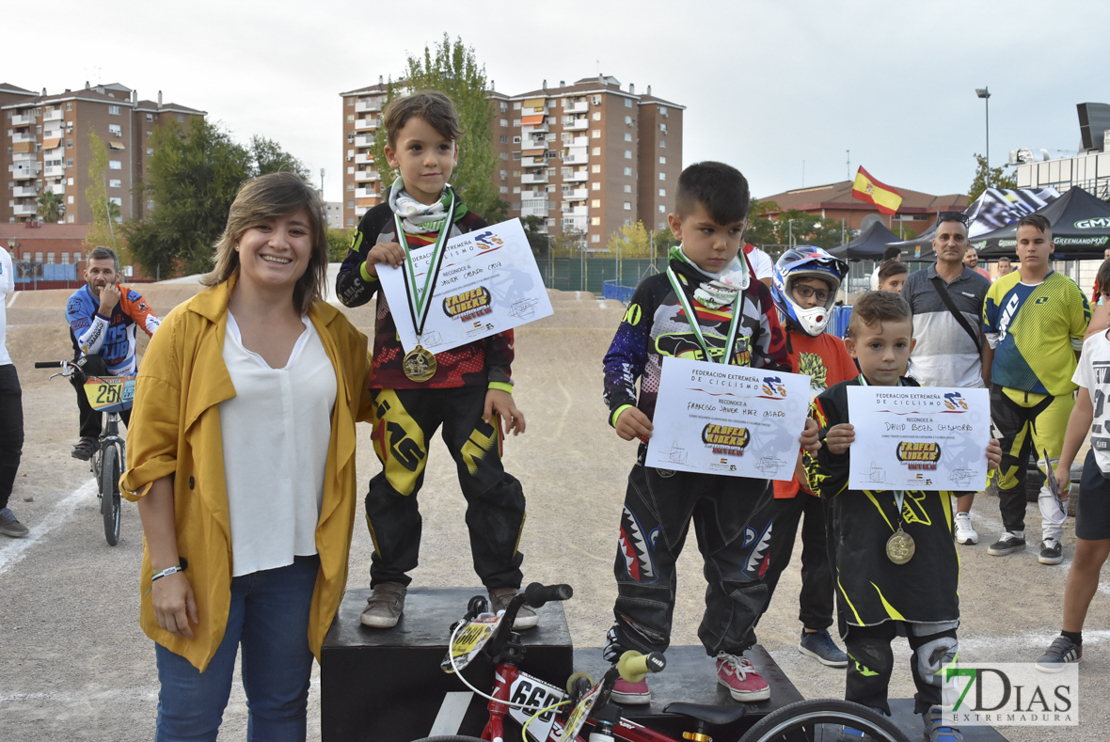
{"x": 175, "y": 431}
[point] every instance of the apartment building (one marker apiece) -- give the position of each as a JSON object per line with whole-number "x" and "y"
{"x": 585, "y": 158}
{"x": 50, "y": 147}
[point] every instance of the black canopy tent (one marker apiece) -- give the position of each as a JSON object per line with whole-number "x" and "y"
{"x": 868, "y": 246}
{"x": 1080, "y": 228}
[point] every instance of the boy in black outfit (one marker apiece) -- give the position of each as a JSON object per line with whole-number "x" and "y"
{"x": 688, "y": 312}
{"x": 874, "y": 592}
{"x": 464, "y": 389}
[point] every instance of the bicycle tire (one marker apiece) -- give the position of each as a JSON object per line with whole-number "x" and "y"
{"x": 450, "y": 738}
{"x": 804, "y": 715}
{"x": 109, "y": 493}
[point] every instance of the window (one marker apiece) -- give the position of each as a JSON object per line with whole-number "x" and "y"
{"x": 595, "y": 221}
{"x": 350, "y": 137}
{"x": 505, "y": 155}
{"x": 662, "y": 176}
{"x": 551, "y": 172}
{"x": 113, "y": 165}
{"x": 350, "y": 117}
{"x": 628, "y": 188}
{"x": 150, "y": 117}
{"x": 50, "y": 258}
{"x": 628, "y": 154}
{"x": 628, "y": 103}
{"x": 627, "y": 137}
{"x": 115, "y": 130}
{"x": 516, "y": 173}
{"x": 662, "y": 144}
{"x": 115, "y": 183}
{"x": 550, "y": 223}
{"x": 113, "y": 110}
{"x": 663, "y": 128}
{"x": 595, "y": 186}
{"x": 516, "y": 122}
{"x": 662, "y": 193}
{"x": 504, "y": 122}
{"x": 516, "y": 105}
{"x": 595, "y": 134}
{"x": 663, "y": 111}
{"x": 662, "y": 209}
{"x": 504, "y": 106}
{"x": 596, "y": 151}
{"x": 595, "y": 238}
{"x": 69, "y": 162}
{"x": 149, "y": 151}
{"x": 151, "y": 132}
{"x": 595, "y": 99}
{"x": 628, "y": 171}
{"x": 662, "y": 160}
{"x": 550, "y": 188}
{"x": 516, "y": 155}
{"x": 516, "y": 140}
{"x": 516, "y": 189}
{"x": 504, "y": 189}
{"x": 69, "y": 144}
{"x": 596, "y": 115}
{"x": 628, "y": 120}
{"x": 595, "y": 168}
{"x": 595, "y": 203}
{"x": 69, "y": 106}
{"x": 504, "y": 174}
{"x": 65, "y": 258}
{"x": 350, "y": 101}
{"x": 504, "y": 138}
{"x": 350, "y": 186}
{"x": 350, "y": 221}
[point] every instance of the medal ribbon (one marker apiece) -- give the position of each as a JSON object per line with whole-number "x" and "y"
{"x": 419, "y": 303}
{"x": 899, "y": 495}
{"x": 684, "y": 302}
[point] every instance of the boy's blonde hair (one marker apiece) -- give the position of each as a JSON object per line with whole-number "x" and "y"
{"x": 430, "y": 105}
{"x": 270, "y": 197}
{"x": 878, "y": 307}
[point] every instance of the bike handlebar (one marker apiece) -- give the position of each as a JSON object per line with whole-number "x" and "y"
{"x": 52, "y": 364}
{"x": 634, "y": 666}
{"x": 537, "y": 595}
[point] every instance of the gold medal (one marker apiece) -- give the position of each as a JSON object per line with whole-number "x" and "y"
{"x": 900, "y": 547}
{"x": 419, "y": 364}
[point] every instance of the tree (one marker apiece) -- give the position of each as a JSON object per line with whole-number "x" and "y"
{"x": 664, "y": 240}
{"x": 192, "y": 178}
{"x": 761, "y": 228}
{"x": 452, "y": 69}
{"x": 103, "y": 230}
{"x": 569, "y": 244}
{"x": 51, "y": 207}
{"x": 339, "y": 242}
{"x": 791, "y": 226}
{"x": 998, "y": 178}
{"x": 630, "y": 241}
{"x": 537, "y": 240}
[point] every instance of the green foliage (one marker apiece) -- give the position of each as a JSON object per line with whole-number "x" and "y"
{"x": 664, "y": 240}
{"x": 103, "y": 230}
{"x": 630, "y": 241}
{"x": 538, "y": 241}
{"x": 192, "y": 178}
{"x": 568, "y": 244}
{"x": 339, "y": 242}
{"x": 790, "y": 227}
{"x": 761, "y": 229}
{"x": 51, "y": 207}
{"x": 452, "y": 69}
{"x": 998, "y": 178}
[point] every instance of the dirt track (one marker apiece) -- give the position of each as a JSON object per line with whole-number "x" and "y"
{"x": 75, "y": 666}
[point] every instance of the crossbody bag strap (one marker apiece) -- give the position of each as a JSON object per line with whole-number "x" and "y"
{"x": 942, "y": 290}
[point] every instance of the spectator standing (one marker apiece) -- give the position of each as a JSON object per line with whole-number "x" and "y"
{"x": 1005, "y": 267}
{"x": 947, "y": 303}
{"x": 971, "y": 260}
{"x": 891, "y": 253}
{"x": 11, "y": 409}
{"x": 761, "y": 265}
{"x": 1035, "y": 320}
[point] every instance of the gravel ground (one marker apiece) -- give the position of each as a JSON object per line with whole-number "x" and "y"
{"x": 75, "y": 665}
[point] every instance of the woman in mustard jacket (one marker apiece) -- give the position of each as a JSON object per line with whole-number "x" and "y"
{"x": 241, "y": 456}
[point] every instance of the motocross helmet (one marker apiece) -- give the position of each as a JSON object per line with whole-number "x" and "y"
{"x": 806, "y": 262}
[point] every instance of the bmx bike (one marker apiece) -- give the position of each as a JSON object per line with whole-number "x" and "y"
{"x": 109, "y": 395}
{"x": 562, "y": 715}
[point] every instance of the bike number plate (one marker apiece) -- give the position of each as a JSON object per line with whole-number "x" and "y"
{"x": 578, "y": 717}
{"x": 534, "y": 694}
{"x": 469, "y": 641}
{"x": 112, "y": 394}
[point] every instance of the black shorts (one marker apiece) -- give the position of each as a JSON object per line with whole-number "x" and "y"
{"x": 1092, "y": 519}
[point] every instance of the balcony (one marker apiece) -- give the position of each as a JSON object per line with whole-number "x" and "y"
{"x": 529, "y": 195}
{"x": 365, "y": 175}
{"x": 55, "y": 115}
{"x": 54, "y": 171}
{"x": 23, "y": 120}
{"x": 575, "y": 158}
{"x": 366, "y": 193}
{"x": 21, "y": 137}
{"x": 574, "y": 223}
{"x": 363, "y": 158}
{"x": 27, "y": 172}
{"x": 530, "y": 130}
{"x": 579, "y": 124}
{"x": 534, "y": 161}
{"x": 578, "y": 107}
{"x": 578, "y": 176}
{"x": 540, "y": 211}
{"x": 24, "y": 210}
{"x": 575, "y": 211}
{"x": 578, "y": 194}
{"x": 364, "y": 141}
{"x": 364, "y": 106}
{"x": 360, "y": 210}
{"x": 577, "y": 142}
{"x": 55, "y": 188}
{"x": 530, "y": 178}
{"x": 363, "y": 124}
{"x": 24, "y": 192}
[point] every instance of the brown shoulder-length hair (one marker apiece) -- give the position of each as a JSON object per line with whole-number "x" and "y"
{"x": 269, "y": 197}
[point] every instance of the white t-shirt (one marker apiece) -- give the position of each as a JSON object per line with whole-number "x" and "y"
{"x": 760, "y": 263}
{"x": 276, "y": 431}
{"x": 7, "y": 286}
{"x": 1093, "y": 374}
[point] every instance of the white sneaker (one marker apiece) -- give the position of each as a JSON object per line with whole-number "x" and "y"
{"x": 965, "y": 532}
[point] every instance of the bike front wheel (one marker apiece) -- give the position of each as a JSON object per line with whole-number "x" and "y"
{"x": 822, "y": 719}
{"x": 109, "y": 493}
{"x": 450, "y": 738}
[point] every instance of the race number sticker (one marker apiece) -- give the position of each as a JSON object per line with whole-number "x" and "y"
{"x": 110, "y": 394}
{"x": 469, "y": 641}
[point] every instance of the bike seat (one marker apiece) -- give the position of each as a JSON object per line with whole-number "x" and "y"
{"x": 716, "y": 715}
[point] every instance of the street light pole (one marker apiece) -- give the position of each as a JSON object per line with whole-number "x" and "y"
{"x": 985, "y": 94}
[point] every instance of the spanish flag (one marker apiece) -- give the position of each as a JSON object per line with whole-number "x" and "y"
{"x": 885, "y": 198}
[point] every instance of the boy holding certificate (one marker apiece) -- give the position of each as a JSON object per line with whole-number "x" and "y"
{"x": 465, "y": 389}
{"x": 707, "y": 306}
{"x": 893, "y": 551}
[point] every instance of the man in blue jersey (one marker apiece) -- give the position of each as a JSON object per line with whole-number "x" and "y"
{"x": 102, "y": 317}
{"x": 1034, "y": 320}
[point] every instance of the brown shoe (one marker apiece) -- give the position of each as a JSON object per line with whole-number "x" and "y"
{"x": 499, "y": 599}
{"x": 384, "y": 606}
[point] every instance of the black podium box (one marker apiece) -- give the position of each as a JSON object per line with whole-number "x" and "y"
{"x": 385, "y": 685}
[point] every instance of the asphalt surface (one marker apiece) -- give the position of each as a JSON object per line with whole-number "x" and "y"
{"x": 75, "y": 666}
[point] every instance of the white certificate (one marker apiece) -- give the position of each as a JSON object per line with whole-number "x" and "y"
{"x": 489, "y": 283}
{"x": 919, "y": 438}
{"x": 730, "y": 420}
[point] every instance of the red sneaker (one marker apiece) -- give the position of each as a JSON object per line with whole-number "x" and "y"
{"x": 741, "y": 679}
{"x": 631, "y": 694}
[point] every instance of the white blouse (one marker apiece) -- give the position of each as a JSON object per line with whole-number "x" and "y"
{"x": 276, "y": 431}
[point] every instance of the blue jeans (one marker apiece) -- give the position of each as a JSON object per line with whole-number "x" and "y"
{"x": 269, "y": 617}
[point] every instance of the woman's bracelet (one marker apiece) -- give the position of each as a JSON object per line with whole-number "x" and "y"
{"x": 167, "y": 572}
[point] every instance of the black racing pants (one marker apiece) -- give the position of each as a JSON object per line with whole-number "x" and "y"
{"x": 871, "y": 662}
{"x": 816, "y": 597}
{"x": 732, "y": 521}
{"x": 404, "y": 422}
{"x": 92, "y": 365}
{"x": 11, "y": 430}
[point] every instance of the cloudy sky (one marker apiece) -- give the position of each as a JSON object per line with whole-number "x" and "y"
{"x": 782, "y": 89}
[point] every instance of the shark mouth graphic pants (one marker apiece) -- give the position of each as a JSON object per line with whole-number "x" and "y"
{"x": 404, "y": 422}
{"x": 732, "y": 521}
